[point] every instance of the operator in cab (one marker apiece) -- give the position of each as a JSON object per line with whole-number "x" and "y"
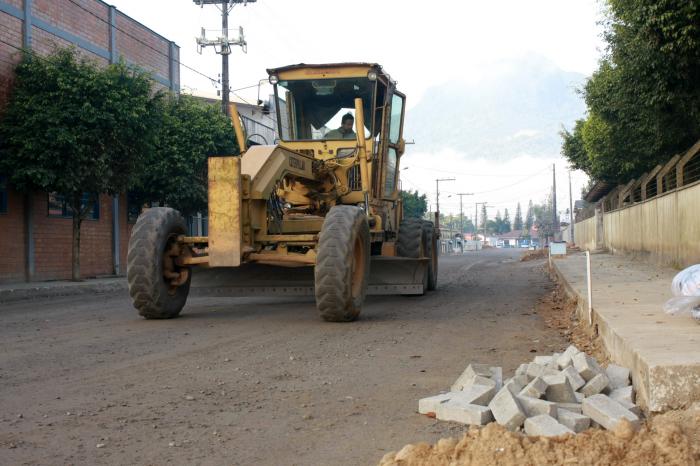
{"x": 345, "y": 131}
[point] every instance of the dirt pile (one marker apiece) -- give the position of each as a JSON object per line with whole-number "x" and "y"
{"x": 669, "y": 439}
{"x": 534, "y": 255}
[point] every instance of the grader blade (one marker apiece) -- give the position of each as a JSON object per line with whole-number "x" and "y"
{"x": 388, "y": 275}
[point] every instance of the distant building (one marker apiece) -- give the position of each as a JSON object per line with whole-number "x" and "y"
{"x": 259, "y": 120}
{"x": 36, "y": 228}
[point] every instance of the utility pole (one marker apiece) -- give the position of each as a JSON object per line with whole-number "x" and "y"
{"x": 461, "y": 214}
{"x": 571, "y": 211}
{"x": 437, "y": 198}
{"x": 476, "y": 217}
{"x": 555, "y": 226}
{"x": 222, "y": 45}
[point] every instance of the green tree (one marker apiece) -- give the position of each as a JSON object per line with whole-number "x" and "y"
{"x": 414, "y": 205}
{"x": 518, "y": 220}
{"x": 498, "y": 223}
{"x": 75, "y": 128}
{"x": 529, "y": 216}
{"x": 506, "y": 222}
{"x": 644, "y": 99}
{"x": 543, "y": 218}
{"x": 190, "y": 132}
{"x": 484, "y": 218}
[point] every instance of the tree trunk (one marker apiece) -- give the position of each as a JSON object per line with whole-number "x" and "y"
{"x": 77, "y": 220}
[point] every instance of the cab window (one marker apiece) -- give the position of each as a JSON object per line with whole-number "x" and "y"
{"x": 313, "y": 109}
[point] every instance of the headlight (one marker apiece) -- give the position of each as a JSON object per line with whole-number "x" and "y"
{"x": 274, "y": 79}
{"x": 372, "y": 75}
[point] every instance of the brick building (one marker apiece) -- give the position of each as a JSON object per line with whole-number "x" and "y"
{"x": 35, "y": 228}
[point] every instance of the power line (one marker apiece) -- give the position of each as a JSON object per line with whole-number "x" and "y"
{"x": 144, "y": 43}
{"x": 452, "y": 172}
{"x": 512, "y": 184}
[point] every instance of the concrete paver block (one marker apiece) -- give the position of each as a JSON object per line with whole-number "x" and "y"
{"x": 521, "y": 370}
{"x": 534, "y": 370}
{"x": 481, "y": 380}
{"x": 579, "y": 397}
{"x": 574, "y": 421}
{"x": 521, "y": 379}
{"x": 607, "y": 412}
{"x": 535, "y": 389}
{"x": 573, "y": 407}
{"x": 542, "y": 360}
{"x": 538, "y": 370}
{"x": 565, "y": 359}
{"x": 497, "y": 377}
{"x": 535, "y": 406}
{"x": 506, "y": 409}
{"x": 619, "y": 376}
{"x": 546, "y": 426}
{"x": 430, "y": 404}
{"x": 458, "y": 411}
{"x": 575, "y": 379}
{"x": 586, "y": 366}
{"x": 632, "y": 407}
{"x": 472, "y": 370}
{"x": 623, "y": 394}
{"x": 513, "y": 386}
{"x": 552, "y": 364}
{"x": 596, "y": 385}
{"x": 476, "y": 394}
{"x": 559, "y": 389}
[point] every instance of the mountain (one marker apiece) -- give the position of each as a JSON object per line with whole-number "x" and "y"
{"x": 513, "y": 108}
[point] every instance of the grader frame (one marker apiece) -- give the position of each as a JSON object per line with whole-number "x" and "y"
{"x": 311, "y": 215}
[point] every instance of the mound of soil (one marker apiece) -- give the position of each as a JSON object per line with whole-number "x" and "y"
{"x": 534, "y": 255}
{"x": 668, "y": 439}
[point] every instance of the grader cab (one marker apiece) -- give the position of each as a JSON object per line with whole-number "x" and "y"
{"x": 317, "y": 214}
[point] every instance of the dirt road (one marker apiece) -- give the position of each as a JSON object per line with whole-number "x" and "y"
{"x": 256, "y": 381}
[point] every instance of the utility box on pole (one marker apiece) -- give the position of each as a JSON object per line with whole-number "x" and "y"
{"x": 222, "y": 44}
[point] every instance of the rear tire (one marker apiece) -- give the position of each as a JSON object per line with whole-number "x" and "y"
{"x": 412, "y": 242}
{"x": 431, "y": 252}
{"x": 342, "y": 265}
{"x": 152, "y": 295}
{"x": 411, "y": 238}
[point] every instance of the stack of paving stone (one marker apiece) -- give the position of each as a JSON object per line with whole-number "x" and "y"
{"x": 564, "y": 393}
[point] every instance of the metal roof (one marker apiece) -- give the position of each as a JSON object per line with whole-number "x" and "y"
{"x": 301, "y": 66}
{"x": 598, "y": 191}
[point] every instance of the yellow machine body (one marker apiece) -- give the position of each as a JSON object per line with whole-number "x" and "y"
{"x": 267, "y": 206}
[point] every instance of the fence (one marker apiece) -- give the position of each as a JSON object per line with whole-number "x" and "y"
{"x": 655, "y": 216}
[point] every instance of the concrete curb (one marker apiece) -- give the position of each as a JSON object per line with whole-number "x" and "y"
{"x": 659, "y": 350}
{"x": 48, "y": 290}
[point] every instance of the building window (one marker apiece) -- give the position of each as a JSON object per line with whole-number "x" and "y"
{"x": 133, "y": 208}
{"x": 59, "y": 207}
{"x": 3, "y": 194}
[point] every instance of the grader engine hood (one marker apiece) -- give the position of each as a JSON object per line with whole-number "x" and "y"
{"x": 235, "y": 182}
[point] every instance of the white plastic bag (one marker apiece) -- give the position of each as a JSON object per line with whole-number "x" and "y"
{"x": 686, "y": 291}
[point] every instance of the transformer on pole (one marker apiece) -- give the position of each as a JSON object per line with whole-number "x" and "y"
{"x": 222, "y": 44}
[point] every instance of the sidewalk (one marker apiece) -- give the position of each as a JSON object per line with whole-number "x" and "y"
{"x": 43, "y": 290}
{"x": 662, "y": 352}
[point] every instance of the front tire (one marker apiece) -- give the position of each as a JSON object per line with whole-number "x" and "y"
{"x": 342, "y": 265}
{"x": 152, "y": 295}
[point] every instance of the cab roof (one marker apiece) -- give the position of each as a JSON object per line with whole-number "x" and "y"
{"x": 317, "y": 68}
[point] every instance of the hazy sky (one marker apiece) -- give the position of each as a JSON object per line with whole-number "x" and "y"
{"x": 421, "y": 44}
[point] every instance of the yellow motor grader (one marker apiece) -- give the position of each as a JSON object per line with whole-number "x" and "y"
{"x": 319, "y": 213}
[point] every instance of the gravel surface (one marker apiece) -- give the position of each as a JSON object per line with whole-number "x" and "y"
{"x": 242, "y": 381}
